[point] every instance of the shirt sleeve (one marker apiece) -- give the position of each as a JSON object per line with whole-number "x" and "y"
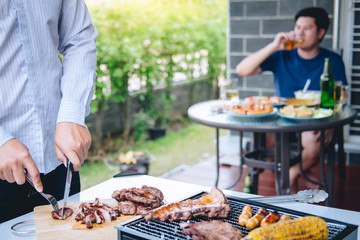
{"x": 4, "y": 136}
{"x": 270, "y": 63}
{"x": 77, "y": 44}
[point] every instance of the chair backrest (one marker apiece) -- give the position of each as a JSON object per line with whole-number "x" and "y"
{"x": 338, "y": 51}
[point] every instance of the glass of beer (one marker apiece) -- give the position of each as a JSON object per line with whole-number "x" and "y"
{"x": 345, "y": 94}
{"x": 292, "y": 44}
{"x": 338, "y": 96}
{"x": 232, "y": 94}
{"x": 230, "y": 91}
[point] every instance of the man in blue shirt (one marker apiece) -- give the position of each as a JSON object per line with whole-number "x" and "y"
{"x": 292, "y": 68}
{"x": 44, "y": 99}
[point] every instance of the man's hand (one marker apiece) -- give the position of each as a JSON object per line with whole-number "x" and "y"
{"x": 72, "y": 141}
{"x": 281, "y": 38}
{"x": 14, "y": 158}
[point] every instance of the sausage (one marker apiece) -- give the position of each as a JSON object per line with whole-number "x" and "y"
{"x": 284, "y": 217}
{"x": 256, "y": 219}
{"x": 270, "y": 218}
{"x": 246, "y": 213}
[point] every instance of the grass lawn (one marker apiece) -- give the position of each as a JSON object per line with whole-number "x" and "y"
{"x": 187, "y": 146}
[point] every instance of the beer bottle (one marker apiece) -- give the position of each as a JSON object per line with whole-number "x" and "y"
{"x": 247, "y": 184}
{"x": 327, "y": 83}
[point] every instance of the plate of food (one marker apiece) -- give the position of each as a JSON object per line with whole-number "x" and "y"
{"x": 220, "y": 108}
{"x": 304, "y": 113}
{"x": 301, "y": 102}
{"x": 252, "y": 110}
{"x": 274, "y": 100}
{"x": 310, "y": 94}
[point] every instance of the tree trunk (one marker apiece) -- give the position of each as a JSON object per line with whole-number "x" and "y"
{"x": 124, "y": 111}
{"x": 99, "y": 118}
{"x": 212, "y": 89}
{"x": 191, "y": 93}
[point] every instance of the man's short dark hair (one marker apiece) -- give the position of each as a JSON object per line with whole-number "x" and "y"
{"x": 320, "y": 15}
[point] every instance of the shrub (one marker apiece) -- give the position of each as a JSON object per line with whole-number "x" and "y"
{"x": 142, "y": 44}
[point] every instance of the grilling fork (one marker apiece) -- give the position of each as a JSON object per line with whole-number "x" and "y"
{"x": 48, "y": 197}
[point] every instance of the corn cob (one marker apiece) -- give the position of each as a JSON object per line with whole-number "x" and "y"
{"x": 308, "y": 227}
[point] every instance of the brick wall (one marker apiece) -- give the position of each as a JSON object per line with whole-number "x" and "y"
{"x": 252, "y": 24}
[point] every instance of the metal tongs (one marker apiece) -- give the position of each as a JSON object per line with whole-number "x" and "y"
{"x": 305, "y": 196}
{"x": 48, "y": 197}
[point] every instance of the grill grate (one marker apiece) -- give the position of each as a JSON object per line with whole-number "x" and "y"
{"x": 172, "y": 231}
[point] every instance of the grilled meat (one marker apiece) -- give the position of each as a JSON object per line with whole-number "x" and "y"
{"x": 154, "y": 191}
{"x": 284, "y": 217}
{"x": 211, "y": 230}
{"x": 126, "y": 207}
{"x": 212, "y": 204}
{"x": 255, "y": 220}
{"x": 88, "y": 220}
{"x": 138, "y": 201}
{"x": 245, "y": 215}
{"x": 67, "y": 213}
{"x": 270, "y": 219}
{"x": 131, "y": 208}
{"x": 96, "y": 212}
{"x": 148, "y": 196}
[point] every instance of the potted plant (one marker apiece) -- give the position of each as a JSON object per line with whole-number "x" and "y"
{"x": 157, "y": 124}
{"x": 151, "y": 123}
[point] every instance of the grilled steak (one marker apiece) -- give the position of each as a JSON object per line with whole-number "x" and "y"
{"x": 149, "y": 196}
{"x": 137, "y": 201}
{"x": 126, "y": 207}
{"x": 211, "y": 230}
{"x": 212, "y": 204}
{"x": 154, "y": 191}
{"x": 67, "y": 213}
{"x": 131, "y": 208}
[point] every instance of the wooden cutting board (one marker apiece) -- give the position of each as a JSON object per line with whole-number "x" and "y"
{"x": 49, "y": 228}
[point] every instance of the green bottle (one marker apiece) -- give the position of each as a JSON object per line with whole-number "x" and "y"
{"x": 327, "y": 83}
{"x": 247, "y": 184}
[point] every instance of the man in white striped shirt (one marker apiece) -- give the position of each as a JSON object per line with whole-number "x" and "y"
{"x": 43, "y": 100}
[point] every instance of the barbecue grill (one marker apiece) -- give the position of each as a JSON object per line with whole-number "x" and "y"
{"x": 138, "y": 228}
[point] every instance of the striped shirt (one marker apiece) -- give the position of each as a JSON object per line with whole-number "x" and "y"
{"x": 37, "y": 89}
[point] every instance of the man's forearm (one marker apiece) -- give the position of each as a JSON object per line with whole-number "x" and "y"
{"x": 251, "y": 64}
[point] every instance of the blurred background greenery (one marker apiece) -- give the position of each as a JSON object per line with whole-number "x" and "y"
{"x": 143, "y": 45}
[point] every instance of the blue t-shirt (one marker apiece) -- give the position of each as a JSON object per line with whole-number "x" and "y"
{"x": 291, "y": 71}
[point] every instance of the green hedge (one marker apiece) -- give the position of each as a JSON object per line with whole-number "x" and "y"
{"x": 150, "y": 40}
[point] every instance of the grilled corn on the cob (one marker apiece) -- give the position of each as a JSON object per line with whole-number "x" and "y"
{"x": 308, "y": 227}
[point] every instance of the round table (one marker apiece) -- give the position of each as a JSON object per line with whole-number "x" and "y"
{"x": 207, "y": 113}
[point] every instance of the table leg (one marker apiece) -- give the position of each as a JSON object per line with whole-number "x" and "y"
{"x": 259, "y": 143}
{"x": 217, "y": 158}
{"x": 322, "y": 156}
{"x": 259, "y": 140}
{"x": 240, "y": 166}
{"x": 218, "y": 161}
{"x": 240, "y": 161}
{"x": 330, "y": 171}
{"x": 282, "y": 159}
{"x": 254, "y": 173}
{"x": 339, "y": 135}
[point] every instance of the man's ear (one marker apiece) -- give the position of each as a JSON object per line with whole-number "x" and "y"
{"x": 321, "y": 33}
